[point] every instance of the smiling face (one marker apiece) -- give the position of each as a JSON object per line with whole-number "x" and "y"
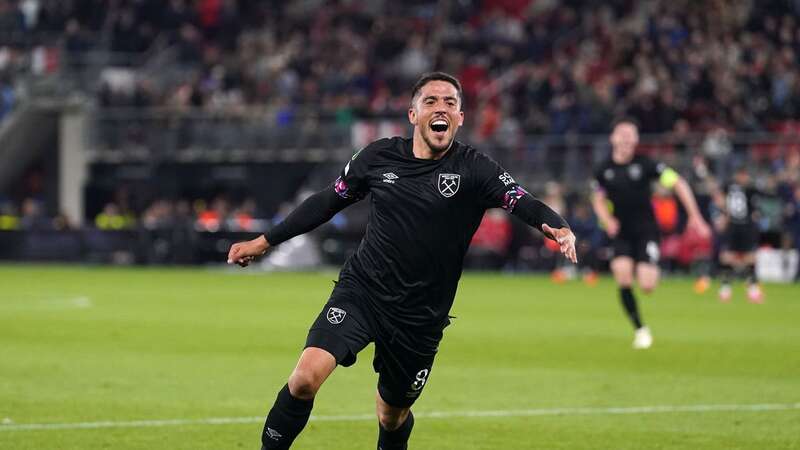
{"x": 624, "y": 139}
{"x": 436, "y": 115}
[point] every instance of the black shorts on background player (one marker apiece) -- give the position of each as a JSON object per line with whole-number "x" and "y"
{"x": 740, "y": 238}
{"x": 642, "y": 247}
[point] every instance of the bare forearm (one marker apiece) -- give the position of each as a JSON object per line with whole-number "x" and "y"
{"x": 601, "y": 209}
{"x": 686, "y": 197}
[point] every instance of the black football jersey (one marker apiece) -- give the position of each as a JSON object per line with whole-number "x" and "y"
{"x": 740, "y": 204}
{"x": 422, "y": 217}
{"x": 629, "y": 188}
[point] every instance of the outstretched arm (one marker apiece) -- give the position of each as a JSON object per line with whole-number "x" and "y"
{"x": 313, "y": 212}
{"x": 537, "y": 214}
{"x": 694, "y": 217}
{"x": 498, "y": 188}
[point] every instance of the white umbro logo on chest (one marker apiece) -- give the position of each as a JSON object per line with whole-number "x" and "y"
{"x": 389, "y": 177}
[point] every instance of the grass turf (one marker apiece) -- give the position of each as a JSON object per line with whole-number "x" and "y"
{"x": 89, "y": 344}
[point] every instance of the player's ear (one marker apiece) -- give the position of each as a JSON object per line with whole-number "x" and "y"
{"x": 412, "y": 116}
{"x": 460, "y": 118}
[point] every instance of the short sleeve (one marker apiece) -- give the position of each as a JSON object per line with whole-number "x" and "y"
{"x": 353, "y": 182}
{"x": 496, "y": 187}
{"x": 653, "y": 169}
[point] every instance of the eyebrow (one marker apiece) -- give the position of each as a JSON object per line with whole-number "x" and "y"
{"x": 436, "y": 97}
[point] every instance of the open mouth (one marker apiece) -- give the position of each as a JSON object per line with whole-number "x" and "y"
{"x": 439, "y": 126}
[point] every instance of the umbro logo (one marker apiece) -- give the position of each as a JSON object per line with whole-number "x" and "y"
{"x": 389, "y": 177}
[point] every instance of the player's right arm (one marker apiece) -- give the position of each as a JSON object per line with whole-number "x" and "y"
{"x": 600, "y": 206}
{"x": 499, "y": 189}
{"x": 670, "y": 179}
{"x": 349, "y": 188}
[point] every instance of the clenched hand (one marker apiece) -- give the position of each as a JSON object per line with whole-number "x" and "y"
{"x": 242, "y": 253}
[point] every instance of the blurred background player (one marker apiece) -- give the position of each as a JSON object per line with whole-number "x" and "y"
{"x": 737, "y": 226}
{"x": 625, "y": 180}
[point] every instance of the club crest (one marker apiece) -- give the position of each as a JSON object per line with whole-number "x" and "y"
{"x": 449, "y": 184}
{"x": 336, "y": 315}
{"x": 635, "y": 171}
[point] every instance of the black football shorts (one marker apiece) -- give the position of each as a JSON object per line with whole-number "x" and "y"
{"x": 403, "y": 358}
{"x": 739, "y": 239}
{"x": 642, "y": 247}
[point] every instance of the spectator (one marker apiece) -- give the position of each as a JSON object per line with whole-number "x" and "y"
{"x": 113, "y": 219}
{"x": 33, "y": 217}
{"x": 9, "y": 219}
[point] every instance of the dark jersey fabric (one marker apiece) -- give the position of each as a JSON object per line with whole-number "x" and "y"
{"x": 422, "y": 217}
{"x": 628, "y": 187}
{"x": 740, "y": 204}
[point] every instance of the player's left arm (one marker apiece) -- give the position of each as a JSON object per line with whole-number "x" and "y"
{"x": 498, "y": 188}
{"x": 670, "y": 179}
{"x": 537, "y": 214}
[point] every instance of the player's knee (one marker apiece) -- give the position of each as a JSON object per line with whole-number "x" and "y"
{"x": 304, "y": 384}
{"x": 391, "y": 420}
{"x": 647, "y": 284}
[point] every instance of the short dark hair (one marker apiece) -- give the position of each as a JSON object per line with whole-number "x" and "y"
{"x": 436, "y": 76}
{"x": 624, "y": 119}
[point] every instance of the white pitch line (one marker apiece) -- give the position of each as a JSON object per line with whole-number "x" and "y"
{"x": 421, "y": 414}
{"x": 47, "y": 304}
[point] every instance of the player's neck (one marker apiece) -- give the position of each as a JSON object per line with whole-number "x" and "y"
{"x": 621, "y": 160}
{"x": 422, "y": 150}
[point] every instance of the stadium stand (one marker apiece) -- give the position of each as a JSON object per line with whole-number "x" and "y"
{"x": 289, "y": 87}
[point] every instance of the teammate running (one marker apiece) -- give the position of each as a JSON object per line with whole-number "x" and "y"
{"x": 429, "y": 194}
{"x": 625, "y": 180}
{"x": 739, "y": 236}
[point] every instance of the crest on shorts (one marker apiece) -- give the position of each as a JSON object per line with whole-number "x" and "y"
{"x": 272, "y": 434}
{"x": 449, "y": 184}
{"x": 336, "y": 315}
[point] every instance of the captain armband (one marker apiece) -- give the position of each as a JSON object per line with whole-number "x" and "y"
{"x": 669, "y": 178}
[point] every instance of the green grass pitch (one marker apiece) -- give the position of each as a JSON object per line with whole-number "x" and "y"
{"x": 101, "y": 347}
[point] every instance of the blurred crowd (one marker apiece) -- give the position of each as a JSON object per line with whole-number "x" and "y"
{"x": 697, "y": 71}
{"x": 218, "y": 214}
{"x": 501, "y": 242}
{"x": 533, "y": 66}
